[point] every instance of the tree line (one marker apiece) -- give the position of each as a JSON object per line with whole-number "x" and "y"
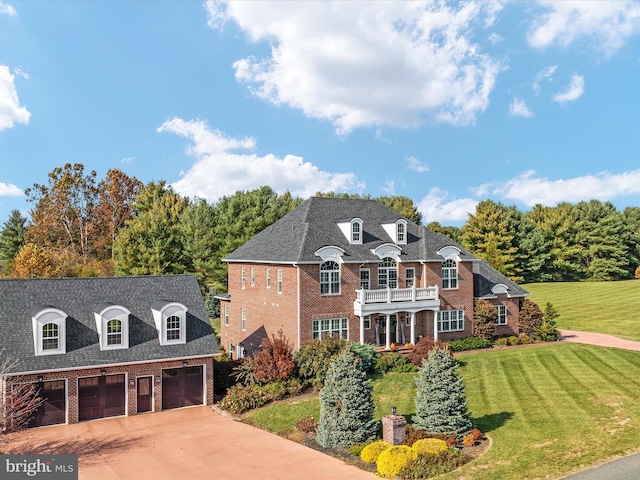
{"x": 84, "y": 226}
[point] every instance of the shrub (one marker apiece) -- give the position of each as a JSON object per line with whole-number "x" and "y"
{"x": 245, "y": 371}
{"x": 392, "y": 460}
{"x": 371, "y": 452}
{"x": 307, "y": 424}
{"x": 223, "y": 375}
{"x": 512, "y": 340}
{"x": 313, "y": 359}
{"x": 393, "y": 362}
{"x": 346, "y": 404}
{"x": 422, "y": 349}
{"x": 470, "y": 343}
{"x": 433, "y": 446}
{"x": 274, "y": 360}
{"x": 469, "y": 440}
{"x": 441, "y": 405}
{"x": 412, "y": 435}
{"x": 530, "y": 317}
{"x": 356, "y": 449}
{"x": 477, "y": 434}
{"x": 524, "y": 339}
{"x": 426, "y": 466}
{"x": 547, "y": 331}
{"x": 241, "y": 398}
{"x": 501, "y": 342}
{"x": 366, "y": 352}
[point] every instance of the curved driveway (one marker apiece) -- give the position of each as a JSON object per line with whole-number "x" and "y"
{"x": 188, "y": 443}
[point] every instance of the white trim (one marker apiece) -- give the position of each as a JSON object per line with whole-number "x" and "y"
{"x": 44, "y": 317}
{"x": 330, "y": 252}
{"x": 279, "y": 281}
{"x": 498, "y": 307}
{"x": 450, "y": 252}
{"x": 387, "y": 250}
{"x": 499, "y": 288}
{"x": 104, "y": 316}
{"x": 160, "y": 318}
{"x": 459, "y": 313}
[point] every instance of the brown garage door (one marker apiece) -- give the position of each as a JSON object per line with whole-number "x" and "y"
{"x": 100, "y": 397}
{"x": 182, "y": 387}
{"x": 53, "y": 410}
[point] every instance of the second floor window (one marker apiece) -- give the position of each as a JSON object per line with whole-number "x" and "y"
{"x": 400, "y": 229}
{"x": 279, "y": 280}
{"x": 365, "y": 283}
{"x": 50, "y": 336}
{"x": 268, "y": 281}
{"x": 114, "y": 332}
{"x": 410, "y": 274}
{"x": 449, "y": 274}
{"x": 243, "y": 277}
{"x": 173, "y": 328}
{"x": 355, "y": 232}
{"x": 253, "y": 276}
{"x": 329, "y": 278}
{"x": 243, "y": 320}
{"x": 388, "y": 274}
{"x": 226, "y": 315}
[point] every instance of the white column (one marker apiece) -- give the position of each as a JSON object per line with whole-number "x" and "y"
{"x": 413, "y": 328}
{"x": 435, "y": 325}
{"x": 362, "y": 330}
{"x": 388, "y": 332}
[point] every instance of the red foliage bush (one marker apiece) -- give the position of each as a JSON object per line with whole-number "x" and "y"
{"x": 477, "y": 434}
{"x": 422, "y": 348}
{"x": 468, "y": 440}
{"x": 274, "y": 360}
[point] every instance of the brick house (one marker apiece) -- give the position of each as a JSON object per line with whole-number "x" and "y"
{"x": 101, "y": 347}
{"x": 357, "y": 269}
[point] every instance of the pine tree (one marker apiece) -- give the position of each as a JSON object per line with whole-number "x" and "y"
{"x": 441, "y": 405}
{"x": 11, "y": 239}
{"x": 547, "y": 331}
{"x": 346, "y": 404}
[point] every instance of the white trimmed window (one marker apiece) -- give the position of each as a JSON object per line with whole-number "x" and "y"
{"x": 502, "y": 315}
{"x": 171, "y": 322}
{"x": 114, "y": 332}
{"x": 49, "y": 335}
{"x": 243, "y": 277}
{"x": 329, "y": 278}
{"x": 388, "y": 274}
{"x": 367, "y": 322}
{"x": 268, "y": 281}
{"x": 330, "y": 327}
{"x": 410, "y": 277}
{"x": 279, "y": 280}
{"x": 226, "y": 315}
{"x": 450, "y": 320}
{"x": 356, "y": 232}
{"x": 401, "y": 232}
{"x": 365, "y": 279}
{"x": 449, "y": 274}
{"x": 112, "y": 325}
{"x": 407, "y": 320}
{"x": 243, "y": 323}
{"x": 173, "y": 328}
{"x": 253, "y": 277}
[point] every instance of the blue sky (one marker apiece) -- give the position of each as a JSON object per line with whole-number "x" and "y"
{"x": 443, "y": 102}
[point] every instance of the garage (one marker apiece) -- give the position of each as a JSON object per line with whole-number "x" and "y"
{"x": 100, "y": 397}
{"x": 54, "y": 408}
{"x": 182, "y": 387}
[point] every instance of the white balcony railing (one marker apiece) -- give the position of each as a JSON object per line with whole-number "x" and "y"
{"x": 390, "y": 295}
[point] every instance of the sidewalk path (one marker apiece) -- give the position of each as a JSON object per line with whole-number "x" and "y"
{"x": 599, "y": 339}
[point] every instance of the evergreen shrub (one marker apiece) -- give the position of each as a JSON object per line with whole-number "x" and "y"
{"x": 366, "y": 352}
{"x": 393, "y": 362}
{"x": 470, "y": 343}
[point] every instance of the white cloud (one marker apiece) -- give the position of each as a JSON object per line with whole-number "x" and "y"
{"x": 573, "y": 91}
{"x": 220, "y": 171}
{"x": 11, "y": 112}
{"x": 544, "y": 74}
{"x": 362, "y": 64}
{"x": 9, "y": 190}
{"x": 519, "y": 108}
{"x": 128, "y": 160}
{"x": 389, "y": 188}
{"x": 21, "y": 73}
{"x": 416, "y": 165}
{"x": 8, "y": 9}
{"x": 216, "y": 14}
{"x": 608, "y": 23}
{"x": 494, "y": 38}
{"x": 435, "y": 207}
{"x": 530, "y": 190}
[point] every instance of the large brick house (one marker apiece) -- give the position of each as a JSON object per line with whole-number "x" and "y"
{"x": 357, "y": 269}
{"x": 101, "y": 347}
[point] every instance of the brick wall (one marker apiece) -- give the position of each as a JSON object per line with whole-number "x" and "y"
{"x": 132, "y": 372}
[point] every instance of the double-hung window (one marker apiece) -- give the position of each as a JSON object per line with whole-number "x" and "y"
{"x": 50, "y": 336}
{"x": 243, "y": 320}
{"x": 330, "y": 327}
{"x": 226, "y": 315}
{"x": 410, "y": 277}
{"x": 449, "y": 274}
{"x": 279, "y": 280}
{"x": 450, "y": 320}
{"x": 243, "y": 276}
{"x": 268, "y": 280}
{"x": 388, "y": 274}
{"x": 114, "y": 332}
{"x": 173, "y": 328}
{"x": 329, "y": 278}
{"x": 253, "y": 277}
{"x": 365, "y": 275}
{"x": 502, "y": 315}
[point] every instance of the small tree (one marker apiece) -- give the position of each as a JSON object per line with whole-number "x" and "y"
{"x": 547, "y": 331}
{"x": 346, "y": 404}
{"x": 212, "y": 304}
{"x": 485, "y": 316}
{"x": 313, "y": 359}
{"x": 441, "y": 405}
{"x": 21, "y": 399}
{"x": 530, "y": 317}
{"x": 274, "y": 361}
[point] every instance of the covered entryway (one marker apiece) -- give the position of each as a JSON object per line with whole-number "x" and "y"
{"x": 54, "y": 408}
{"x": 144, "y": 394}
{"x": 100, "y": 397}
{"x": 182, "y": 387}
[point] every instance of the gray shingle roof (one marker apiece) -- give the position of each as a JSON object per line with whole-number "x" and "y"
{"x": 486, "y": 277}
{"x": 79, "y": 298}
{"x": 314, "y": 224}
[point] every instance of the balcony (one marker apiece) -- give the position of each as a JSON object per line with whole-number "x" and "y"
{"x": 391, "y": 300}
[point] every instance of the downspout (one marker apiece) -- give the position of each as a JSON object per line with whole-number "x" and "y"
{"x": 298, "y": 305}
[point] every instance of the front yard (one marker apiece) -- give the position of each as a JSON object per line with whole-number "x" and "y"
{"x": 549, "y": 409}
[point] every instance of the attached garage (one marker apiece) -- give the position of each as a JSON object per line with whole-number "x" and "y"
{"x": 182, "y": 387}
{"x": 100, "y": 397}
{"x": 54, "y": 408}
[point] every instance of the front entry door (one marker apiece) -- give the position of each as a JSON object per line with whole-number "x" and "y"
{"x": 144, "y": 394}
{"x": 382, "y": 328}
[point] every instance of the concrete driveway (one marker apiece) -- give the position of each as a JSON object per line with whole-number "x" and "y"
{"x": 189, "y": 443}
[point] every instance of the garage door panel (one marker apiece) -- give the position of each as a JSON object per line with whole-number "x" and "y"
{"x": 53, "y": 410}
{"x": 100, "y": 397}
{"x": 182, "y": 387}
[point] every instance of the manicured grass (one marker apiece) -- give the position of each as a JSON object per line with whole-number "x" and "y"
{"x": 549, "y": 409}
{"x": 601, "y": 307}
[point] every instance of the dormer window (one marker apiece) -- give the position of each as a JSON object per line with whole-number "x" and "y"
{"x": 401, "y": 233}
{"x": 397, "y": 230}
{"x": 171, "y": 322}
{"x": 112, "y": 325}
{"x": 352, "y": 230}
{"x": 49, "y": 331}
{"x": 356, "y": 233}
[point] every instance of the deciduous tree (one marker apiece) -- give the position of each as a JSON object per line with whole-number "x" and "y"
{"x": 485, "y": 316}
{"x": 21, "y": 399}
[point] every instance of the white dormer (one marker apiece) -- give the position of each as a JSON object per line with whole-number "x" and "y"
{"x": 352, "y": 230}
{"x": 330, "y": 253}
{"x": 388, "y": 250}
{"x": 49, "y": 331}
{"x": 450, "y": 252}
{"x": 499, "y": 288}
{"x": 171, "y": 322}
{"x": 397, "y": 231}
{"x": 112, "y": 325}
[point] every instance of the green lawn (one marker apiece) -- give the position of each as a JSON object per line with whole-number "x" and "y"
{"x": 601, "y": 307}
{"x": 549, "y": 409}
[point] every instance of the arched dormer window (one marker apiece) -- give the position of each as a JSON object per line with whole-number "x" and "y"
{"x": 449, "y": 274}
{"x": 329, "y": 278}
{"x": 49, "y": 330}
{"x": 171, "y": 322}
{"x": 356, "y": 232}
{"x": 401, "y": 232}
{"x": 112, "y": 325}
